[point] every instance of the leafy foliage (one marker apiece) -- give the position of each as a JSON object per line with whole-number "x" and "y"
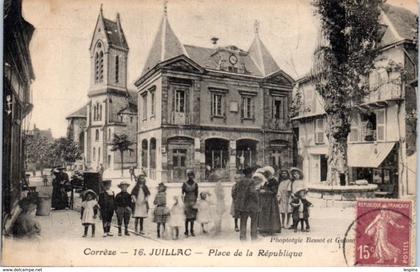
{"x": 121, "y": 143}
{"x": 38, "y": 149}
{"x": 65, "y": 150}
{"x": 351, "y": 31}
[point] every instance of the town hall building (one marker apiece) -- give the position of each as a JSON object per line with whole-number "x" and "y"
{"x": 211, "y": 109}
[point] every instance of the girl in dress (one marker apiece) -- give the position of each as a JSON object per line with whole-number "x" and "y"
{"x": 161, "y": 212}
{"x": 176, "y": 220}
{"x": 284, "y": 198}
{"x": 190, "y": 195}
{"x": 89, "y": 211}
{"x": 139, "y": 196}
{"x": 203, "y": 211}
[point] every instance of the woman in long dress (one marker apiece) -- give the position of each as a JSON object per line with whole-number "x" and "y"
{"x": 139, "y": 196}
{"x": 59, "y": 200}
{"x": 189, "y": 196}
{"x": 284, "y": 197}
{"x": 269, "y": 217}
{"x": 384, "y": 250}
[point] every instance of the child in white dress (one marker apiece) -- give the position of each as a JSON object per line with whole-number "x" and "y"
{"x": 177, "y": 218}
{"x": 89, "y": 211}
{"x": 203, "y": 211}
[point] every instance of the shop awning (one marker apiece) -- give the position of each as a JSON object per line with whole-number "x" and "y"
{"x": 368, "y": 155}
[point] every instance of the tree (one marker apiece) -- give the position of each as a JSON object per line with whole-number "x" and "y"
{"x": 65, "y": 150}
{"x": 351, "y": 31}
{"x": 37, "y": 149}
{"x": 121, "y": 143}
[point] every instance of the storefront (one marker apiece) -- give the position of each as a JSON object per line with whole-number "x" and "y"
{"x": 378, "y": 164}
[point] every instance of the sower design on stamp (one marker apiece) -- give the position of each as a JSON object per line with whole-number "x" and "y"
{"x": 383, "y": 233}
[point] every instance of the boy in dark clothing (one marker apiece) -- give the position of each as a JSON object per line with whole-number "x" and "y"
{"x": 305, "y": 216}
{"x": 246, "y": 202}
{"x": 123, "y": 207}
{"x": 295, "y": 203}
{"x": 107, "y": 207}
{"x": 300, "y": 211}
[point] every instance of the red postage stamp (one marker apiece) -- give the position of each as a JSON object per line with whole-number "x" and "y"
{"x": 383, "y": 233}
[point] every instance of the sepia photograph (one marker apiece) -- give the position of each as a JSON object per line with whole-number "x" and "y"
{"x": 209, "y": 133}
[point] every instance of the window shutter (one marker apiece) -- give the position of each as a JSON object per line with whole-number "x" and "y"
{"x": 380, "y": 125}
{"x": 187, "y": 104}
{"x": 242, "y": 107}
{"x": 173, "y": 105}
{"x": 212, "y": 108}
{"x": 224, "y": 105}
{"x": 253, "y": 108}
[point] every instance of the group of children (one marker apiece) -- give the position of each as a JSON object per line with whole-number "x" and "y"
{"x": 135, "y": 204}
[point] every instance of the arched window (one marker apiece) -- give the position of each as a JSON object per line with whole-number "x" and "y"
{"x": 96, "y": 67}
{"x": 101, "y": 66}
{"x": 100, "y": 112}
{"x": 94, "y": 154}
{"x": 97, "y": 135}
{"x": 117, "y": 69}
{"x": 99, "y": 63}
{"x": 144, "y": 154}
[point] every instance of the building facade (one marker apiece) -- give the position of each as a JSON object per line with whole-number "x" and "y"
{"x": 111, "y": 108}
{"x": 208, "y": 109}
{"x": 17, "y": 100}
{"x": 383, "y": 130}
{"x": 77, "y": 126}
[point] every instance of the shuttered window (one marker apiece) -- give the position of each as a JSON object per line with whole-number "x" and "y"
{"x": 380, "y": 125}
{"x": 319, "y": 131}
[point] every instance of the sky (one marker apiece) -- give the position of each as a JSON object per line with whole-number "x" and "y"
{"x": 60, "y": 44}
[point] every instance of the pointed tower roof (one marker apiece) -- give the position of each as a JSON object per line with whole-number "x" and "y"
{"x": 113, "y": 31}
{"x": 166, "y": 45}
{"x": 261, "y": 56}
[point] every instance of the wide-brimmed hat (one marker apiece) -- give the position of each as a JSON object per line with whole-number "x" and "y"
{"x": 89, "y": 191}
{"x": 123, "y": 183}
{"x": 259, "y": 177}
{"x": 295, "y": 169}
{"x": 269, "y": 169}
{"x": 298, "y": 186}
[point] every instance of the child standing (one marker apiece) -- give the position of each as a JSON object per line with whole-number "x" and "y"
{"x": 107, "y": 207}
{"x": 161, "y": 212}
{"x": 233, "y": 211}
{"x": 89, "y": 211}
{"x": 177, "y": 218}
{"x": 139, "y": 195}
{"x": 305, "y": 213}
{"x": 296, "y": 205}
{"x": 123, "y": 207}
{"x": 203, "y": 211}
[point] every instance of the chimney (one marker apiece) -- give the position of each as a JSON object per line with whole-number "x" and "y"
{"x": 214, "y": 41}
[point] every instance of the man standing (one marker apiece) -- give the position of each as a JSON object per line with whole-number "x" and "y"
{"x": 246, "y": 202}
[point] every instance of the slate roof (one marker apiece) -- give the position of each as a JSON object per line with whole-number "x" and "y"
{"x": 80, "y": 113}
{"x": 401, "y": 24}
{"x": 262, "y": 57}
{"x": 114, "y": 33}
{"x": 257, "y": 60}
{"x": 166, "y": 45}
